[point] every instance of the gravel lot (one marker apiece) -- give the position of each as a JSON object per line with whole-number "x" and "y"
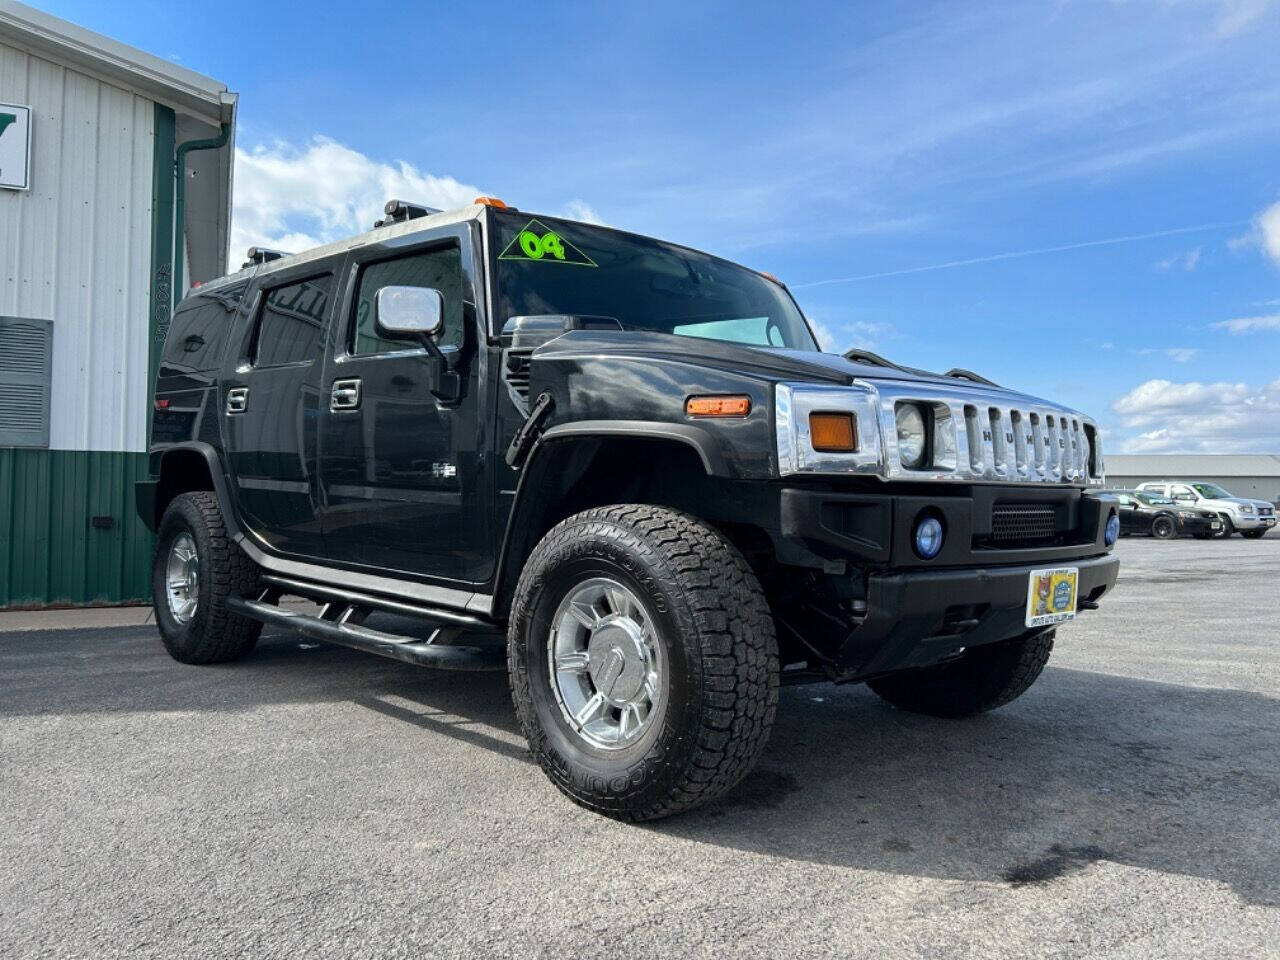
{"x": 313, "y": 801}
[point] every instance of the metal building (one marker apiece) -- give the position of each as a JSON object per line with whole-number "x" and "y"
{"x": 115, "y": 192}
{"x": 1255, "y": 475}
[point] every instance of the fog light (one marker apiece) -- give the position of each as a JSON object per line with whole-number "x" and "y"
{"x": 928, "y": 537}
{"x": 1112, "y": 533}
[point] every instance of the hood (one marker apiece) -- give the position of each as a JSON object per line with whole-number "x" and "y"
{"x": 781, "y": 364}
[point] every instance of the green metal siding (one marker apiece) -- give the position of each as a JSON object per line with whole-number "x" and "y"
{"x": 50, "y": 552}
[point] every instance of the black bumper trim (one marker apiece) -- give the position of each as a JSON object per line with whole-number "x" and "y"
{"x": 875, "y": 528}
{"x": 920, "y": 617}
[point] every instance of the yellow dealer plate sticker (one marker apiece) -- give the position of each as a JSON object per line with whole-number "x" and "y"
{"x": 1051, "y": 596}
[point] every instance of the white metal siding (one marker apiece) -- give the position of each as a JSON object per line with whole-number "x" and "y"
{"x": 76, "y": 247}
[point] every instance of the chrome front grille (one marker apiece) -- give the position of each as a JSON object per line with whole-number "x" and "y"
{"x": 978, "y": 434}
{"x": 996, "y": 440}
{"x": 1010, "y": 442}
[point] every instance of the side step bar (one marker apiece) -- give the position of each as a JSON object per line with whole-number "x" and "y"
{"x": 327, "y": 593}
{"x": 339, "y": 623}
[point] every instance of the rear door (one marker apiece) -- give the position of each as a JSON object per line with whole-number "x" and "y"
{"x": 404, "y": 472}
{"x": 271, "y": 398}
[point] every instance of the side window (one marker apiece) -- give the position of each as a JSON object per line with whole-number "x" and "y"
{"x": 291, "y": 325}
{"x": 439, "y": 269}
{"x": 199, "y": 331}
{"x": 1182, "y": 493}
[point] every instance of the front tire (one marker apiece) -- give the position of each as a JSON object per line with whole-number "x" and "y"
{"x": 1228, "y": 528}
{"x": 1164, "y": 528}
{"x": 1253, "y": 534}
{"x": 196, "y": 568}
{"x": 643, "y": 661}
{"x": 983, "y": 679}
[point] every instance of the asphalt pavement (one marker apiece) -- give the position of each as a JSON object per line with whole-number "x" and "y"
{"x": 311, "y": 801}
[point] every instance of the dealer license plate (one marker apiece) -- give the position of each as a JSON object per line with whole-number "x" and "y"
{"x": 1051, "y": 596}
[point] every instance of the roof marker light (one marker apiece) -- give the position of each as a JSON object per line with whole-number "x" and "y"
{"x": 491, "y": 202}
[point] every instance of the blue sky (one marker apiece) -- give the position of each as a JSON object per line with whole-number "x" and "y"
{"x": 1091, "y": 188}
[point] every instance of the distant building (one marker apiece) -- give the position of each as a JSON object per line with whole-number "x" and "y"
{"x": 115, "y": 194}
{"x": 1244, "y": 474}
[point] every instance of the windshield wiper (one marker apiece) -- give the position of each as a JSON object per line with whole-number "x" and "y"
{"x": 857, "y": 355}
{"x": 871, "y": 359}
{"x": 960, "y": 373}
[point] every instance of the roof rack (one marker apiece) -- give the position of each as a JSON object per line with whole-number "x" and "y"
{"x": 398, "y": 211}
{"x": 259, "y": 255}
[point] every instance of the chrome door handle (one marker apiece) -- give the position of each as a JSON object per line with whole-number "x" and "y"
{"x": 237, "y": 399}
{"x": 345, "y": 395}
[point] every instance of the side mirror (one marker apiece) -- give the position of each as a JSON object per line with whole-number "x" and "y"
{"x": 404, "y": 311}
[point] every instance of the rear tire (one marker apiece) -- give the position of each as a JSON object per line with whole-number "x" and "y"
{"x": 1164, "y": 528}
{"x": 657, "y": 605}
{"x": 196, "y": 568}
{"x": 983, "y": 679}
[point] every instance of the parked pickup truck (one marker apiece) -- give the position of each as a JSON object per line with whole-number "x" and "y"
{"x": 1250, "y": 518}
{"x": 618, "y": 467}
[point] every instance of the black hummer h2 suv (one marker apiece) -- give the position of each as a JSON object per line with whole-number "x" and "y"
{"x": 622, "y": 468}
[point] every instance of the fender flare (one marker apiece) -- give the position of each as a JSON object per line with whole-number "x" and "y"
{"x": 689, "y": 435}
{"x": 216, "y": 472}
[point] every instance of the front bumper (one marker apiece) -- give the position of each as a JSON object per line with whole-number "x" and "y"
{"x": 1251, "y": 521}
{"x": 922, "y": 617}
{"x": 1205, "y": 524}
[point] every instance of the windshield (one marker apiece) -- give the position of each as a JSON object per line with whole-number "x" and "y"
{"x": 1152, "y": 500}
{"x": 550, "y": 266}
{"x": 1211, "y": 491}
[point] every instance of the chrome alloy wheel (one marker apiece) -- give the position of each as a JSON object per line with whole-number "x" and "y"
{"x": 182, "y": 578}
{"x": 606, "y": 663}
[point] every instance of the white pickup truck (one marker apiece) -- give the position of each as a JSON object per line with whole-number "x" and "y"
{"x": 1251, "y": 518}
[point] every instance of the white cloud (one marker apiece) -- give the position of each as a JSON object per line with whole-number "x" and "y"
{"x": 581, "y": 210}
{"x": 1198, "y": 417}
{"x": 1176, "y": 354}
{"x": 1238, "y": 14}
{"x": 842, "y": 335}
{"x": 1264, "y": 234}
{"x": 1249, "y": 324}
{"x": 1183, "y": 261}
{"x": 826, "y": 338}
{"x": 1269, "y": 227}
{"x": 291, "y": 198}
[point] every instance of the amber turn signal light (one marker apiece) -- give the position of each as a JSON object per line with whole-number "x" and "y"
{"x": 833, "y": 432}
{"x": 726, "y": 406}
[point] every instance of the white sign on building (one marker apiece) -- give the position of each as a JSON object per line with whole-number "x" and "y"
{"x": 15, "y": 146}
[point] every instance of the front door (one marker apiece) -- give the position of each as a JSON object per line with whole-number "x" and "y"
{"x": 401, "y": 468}
{"x": 1127, "y": 512}
{"x": 271, "y": 395}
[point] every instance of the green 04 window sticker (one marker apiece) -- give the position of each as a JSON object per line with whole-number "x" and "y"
{"x": 539, "y": 243}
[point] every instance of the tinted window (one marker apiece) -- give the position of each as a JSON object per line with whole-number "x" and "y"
{"x": 291, "y": 325}
{"x": 550, "y": 266}
{"x": 199, "y": 330}
{"x": 439, "y": 269}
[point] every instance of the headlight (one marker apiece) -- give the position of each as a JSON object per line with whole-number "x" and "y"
{"x": 1246, "y": 508}
{"x": 911, "y": 436}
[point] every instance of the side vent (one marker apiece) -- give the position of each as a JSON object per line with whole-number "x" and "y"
{"x": 26, "y": 369}
{"x": 521, "y": 336}
{"x": 516, "y": 374}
